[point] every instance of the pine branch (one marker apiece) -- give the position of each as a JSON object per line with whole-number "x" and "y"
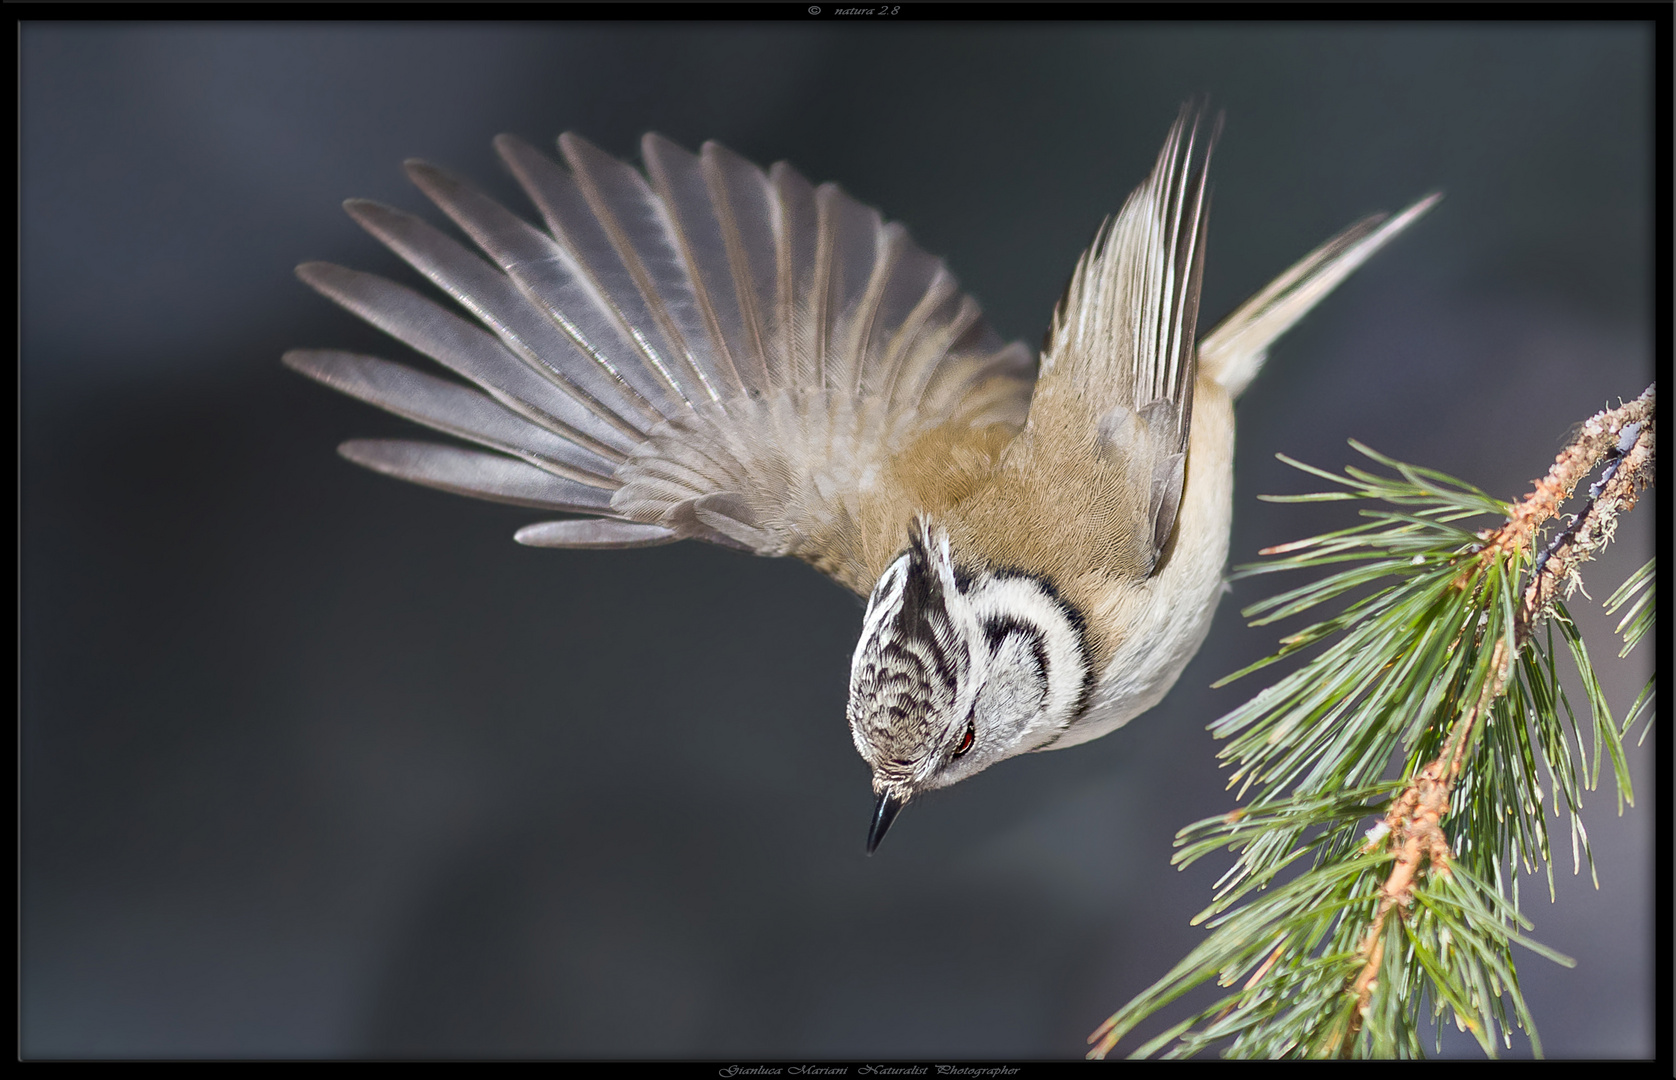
{"x": 1442, "y": 660}
{"x": 1623, "y": 437}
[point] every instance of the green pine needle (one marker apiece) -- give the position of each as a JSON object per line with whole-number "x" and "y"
{"x": 1411, "y": 647}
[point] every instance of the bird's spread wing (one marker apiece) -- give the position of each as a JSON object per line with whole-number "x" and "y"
{"x": 1121, "y": 363}
{"x": 704, "y": 351}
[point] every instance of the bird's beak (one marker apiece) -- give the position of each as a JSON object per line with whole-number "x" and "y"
{"x": 884, "y": 812}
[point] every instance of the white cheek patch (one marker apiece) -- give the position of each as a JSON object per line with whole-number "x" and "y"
{"x": 1029, "y": 602}
{"x": 1017, "y": 682}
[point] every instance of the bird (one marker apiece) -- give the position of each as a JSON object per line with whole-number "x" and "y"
{"x": 707, "y": 350}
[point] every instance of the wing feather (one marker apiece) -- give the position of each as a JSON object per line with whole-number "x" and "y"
{"x": 904, "y": 380}
{"x": 491, "y": 296}
{"x": 453, "y": 409}
{"x": 1122, "y": 349}
{"x": 468, "y": 351}
{"x": 911, "y": 275}
{"x": 931, "y": 385}
{"x": 626, "y": 334}
{"x": 663, "y": 302}
{"x": 469, "y": 472}
{"x": 745, "y": 208}
{"x": 698, "y": 225}
{"x": 714, "y": 352}
{"x": 594, "y": 533}
{"x": 549, "y": 280}
{"x": 847, "y": 256}
{"x": 798, "y": 292}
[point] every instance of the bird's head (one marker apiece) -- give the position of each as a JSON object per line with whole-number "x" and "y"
{"x": 958, "y": 668}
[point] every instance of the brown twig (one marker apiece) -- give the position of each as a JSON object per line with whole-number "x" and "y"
{"x": 1629, "y": 469}
{"x": 1596, "y": 437}
{"x": 1623, "y": 437}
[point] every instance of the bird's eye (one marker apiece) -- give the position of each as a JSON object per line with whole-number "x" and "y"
{"x": 966, "y": 743}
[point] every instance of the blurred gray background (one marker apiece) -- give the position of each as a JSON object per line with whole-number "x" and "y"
{"x": 317, "y": 763}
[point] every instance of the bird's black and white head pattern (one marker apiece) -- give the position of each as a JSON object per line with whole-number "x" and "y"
{"x": 958, "y": 669}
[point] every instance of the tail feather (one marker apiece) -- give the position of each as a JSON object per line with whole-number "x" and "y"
{"x": 1234, "y": 352}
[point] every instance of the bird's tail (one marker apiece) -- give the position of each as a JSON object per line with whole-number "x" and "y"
{"x": 1234, "y": 352}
